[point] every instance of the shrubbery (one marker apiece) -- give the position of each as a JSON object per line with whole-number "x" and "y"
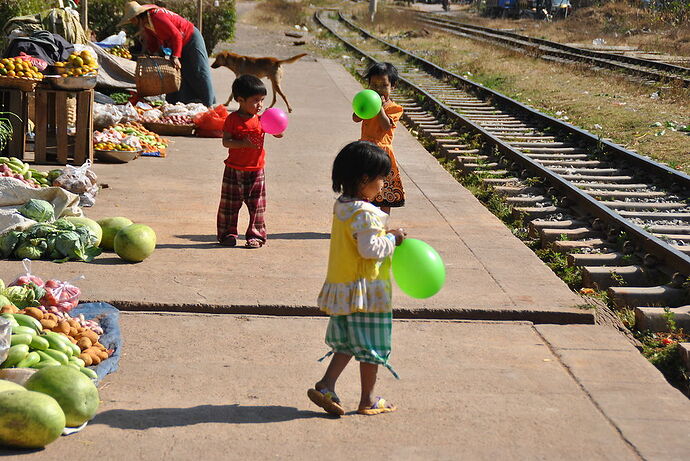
{"x": 12, "y": 8}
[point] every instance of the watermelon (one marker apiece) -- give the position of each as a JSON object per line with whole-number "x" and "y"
{"x": 29, "y": 419}
{"x": 135, "y": 243}
{"x": 110, "y": 227}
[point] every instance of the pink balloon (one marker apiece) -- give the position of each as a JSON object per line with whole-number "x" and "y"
{"x": 274, "y": 121}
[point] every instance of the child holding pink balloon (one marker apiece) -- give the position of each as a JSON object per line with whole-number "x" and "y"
{"x": 243, "y": 179}
{"x": 382, "y": 78}
{"x": 357, "y": 291}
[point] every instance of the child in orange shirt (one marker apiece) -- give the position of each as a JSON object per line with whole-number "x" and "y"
{"x": 382, "y": 77}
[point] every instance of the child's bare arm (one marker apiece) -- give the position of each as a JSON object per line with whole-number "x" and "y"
{"x": 384, "y": 120}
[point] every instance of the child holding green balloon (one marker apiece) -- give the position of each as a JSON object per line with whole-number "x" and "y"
{"x": 357, "y": 291}
{"x": 379, "y": 129}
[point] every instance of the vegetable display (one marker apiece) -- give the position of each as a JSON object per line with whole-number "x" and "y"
{"x": 120, "y": 51}
{"x": 149, "y": 140}
{"x": 61, "y": 240}
{"x": 12, "y": 167}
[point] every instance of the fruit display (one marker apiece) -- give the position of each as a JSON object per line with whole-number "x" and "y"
{"x": 112, "y": 139}
{"x": 19, "y": 68}
{"x": 113, "y": 146}
{"x": 120, "y": 51}
{"x": 135, "y": 243}
{"x": 176, "y": 120}
{"x": 78, "y": 64}
{"x": 150, "y": 141}
{"x": 12, "y": 167}
{"x": 29, "y": 419}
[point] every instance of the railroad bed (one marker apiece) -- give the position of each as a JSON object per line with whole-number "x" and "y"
{"x": 621, "y": 217}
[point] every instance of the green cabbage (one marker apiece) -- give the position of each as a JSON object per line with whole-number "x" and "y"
{"x": 8, "y": 242}
{"x": 31, "y": 249}
{"x": 38, "y": 210}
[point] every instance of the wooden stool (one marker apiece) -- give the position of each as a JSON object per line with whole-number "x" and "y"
{"x": 53, "y": 143}
{"x": 17, "y": 102}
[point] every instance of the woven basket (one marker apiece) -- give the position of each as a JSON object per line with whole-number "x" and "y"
{"x": 156, "y": 75}
{"x": 23, "y": 84}
{"x": 168, "y": 129}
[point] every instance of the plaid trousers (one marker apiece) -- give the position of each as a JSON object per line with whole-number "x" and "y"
{"x": 242, "y": 187}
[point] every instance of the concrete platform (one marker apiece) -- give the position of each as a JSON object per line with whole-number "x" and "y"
{"x": 194, "y": 385}
{"x": 490, "y": 273}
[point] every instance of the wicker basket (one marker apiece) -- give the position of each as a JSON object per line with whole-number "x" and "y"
{"x": 169, "y": 129}
{"x": 23, "y": 84}
{"x": 156, "y": 75}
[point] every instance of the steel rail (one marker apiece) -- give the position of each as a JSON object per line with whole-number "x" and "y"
{"x": 603, "y": 59}
{"x": 667, "y": 255}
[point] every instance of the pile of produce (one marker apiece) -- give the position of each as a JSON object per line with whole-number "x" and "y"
{"x": 61, "y": 240}
{"x": 14, "y": 168}
{"x": 150, "y": 141}
{"x": 132, "y": 242}
{"x": 19, "y": 68}
{"x": 176, "y": 120}
{"x": 120, "y": 51}
{"x": 113, "y": 146}
{"x": 77, "y": 64}
{"x": 112, "y": 139}
{"x": 53, "y": 398}
{"x": 120, "y": 98}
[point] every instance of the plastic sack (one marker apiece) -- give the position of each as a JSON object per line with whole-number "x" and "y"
{"x": 129, "y": 113}
{"x": 115, "y": 40}
{"x": 61, "y": 296}
{"x": 211, "y": 120}
{"x": 38, "y": 62}
{"x": 5, "y": 333}
{"x": 81, "y": 181}
{"x": 105, "y": 115}
{"x": 27, "y": 277}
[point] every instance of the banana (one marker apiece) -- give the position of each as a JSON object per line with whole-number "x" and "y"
{"x": 15, "y": 355}
{"x": 76, "y": 360}
{"x": 30, "y": 360}
{"x": 89, "y": 372}
{"x": 58, "y": 356}
{"x": 18, "y": 330}
{"x": 39, "y": 343}
{"x": 28, "y": 321}
{"x": 13, "y": 322}
{"x": 20, "y": 339}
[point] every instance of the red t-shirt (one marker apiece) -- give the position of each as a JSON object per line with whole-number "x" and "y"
{"x": 246, "y": 158}
{"x": 165, "y": 28}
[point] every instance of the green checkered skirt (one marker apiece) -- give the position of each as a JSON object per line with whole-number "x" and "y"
{"x": 366, "y": 336}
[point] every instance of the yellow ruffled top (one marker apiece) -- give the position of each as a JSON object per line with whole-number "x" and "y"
{"x": 354, "y": 283}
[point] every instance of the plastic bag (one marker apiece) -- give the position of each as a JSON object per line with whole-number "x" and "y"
{"x": 129, "y": 113}
{"x": 61, "y": 296}
{"x": 211, "y": 120}
{"x": 27, "y": 277}
{"x": 40, "y": 64}
{"x": 5, "y": 333}
{"x": 115, "y": 40}
{"x": 81, "y": 181}
{"x": 105, "y": 115}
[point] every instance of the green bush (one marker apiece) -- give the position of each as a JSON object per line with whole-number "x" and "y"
{"x": 218, "y": 21}
{"x": 11, "y": 8}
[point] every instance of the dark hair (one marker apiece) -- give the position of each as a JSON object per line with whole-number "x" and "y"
{"x": 357, "y": 162}
{"x": 383, "y": 68}
{"x": 246, "y": 86}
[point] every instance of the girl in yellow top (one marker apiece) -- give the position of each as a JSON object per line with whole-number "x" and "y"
{"x": 382, "y": 78}
{"x": 357, "y": 291}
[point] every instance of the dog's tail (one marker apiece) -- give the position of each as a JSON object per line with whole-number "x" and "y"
{"x": 293, "y": 59}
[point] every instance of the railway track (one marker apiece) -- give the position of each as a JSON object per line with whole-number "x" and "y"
{"x": 545, "y": 49}
{"x": 622, "y": 218}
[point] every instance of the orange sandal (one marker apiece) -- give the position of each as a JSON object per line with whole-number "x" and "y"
{"x": 327, "y": 400}
{"x": 380, "y": 406}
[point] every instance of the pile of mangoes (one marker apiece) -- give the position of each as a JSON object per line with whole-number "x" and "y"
{"x": 77, "y": 64}
{"x": 120, "y": 51}
{"x": 19, "y": 68}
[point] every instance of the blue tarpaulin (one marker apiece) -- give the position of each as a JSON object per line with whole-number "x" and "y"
{"x": 109, "y": 318}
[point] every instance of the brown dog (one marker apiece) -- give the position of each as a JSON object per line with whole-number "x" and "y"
{"x": 259, "y": 67}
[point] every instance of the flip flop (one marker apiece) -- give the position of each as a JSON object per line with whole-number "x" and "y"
{"x": 327, "y": 400}
{"x": 254, "y": 243}
{"x": 380, "y": 406}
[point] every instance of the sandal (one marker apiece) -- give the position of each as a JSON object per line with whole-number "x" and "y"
{"x": 254, "y": 243}
{"x": 380, "y": 406}
{"x": 327, "y": 400}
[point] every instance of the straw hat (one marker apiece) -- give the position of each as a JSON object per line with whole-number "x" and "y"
{"x": 132, "y": 10}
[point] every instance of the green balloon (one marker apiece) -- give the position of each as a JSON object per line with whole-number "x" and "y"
{"x": 418, "y": 269}
{"x": 366, "y": 104}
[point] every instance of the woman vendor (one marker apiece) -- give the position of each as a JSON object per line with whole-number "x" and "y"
{"x": 160, "y": 28}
